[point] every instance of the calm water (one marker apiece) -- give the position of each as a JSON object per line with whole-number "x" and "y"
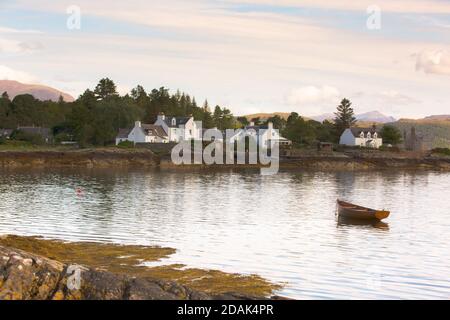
{"x": 281, "y": 227}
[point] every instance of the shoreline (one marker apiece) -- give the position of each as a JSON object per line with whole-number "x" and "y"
{"x": 37, "y": 268}
{"x": 144, "y": 158}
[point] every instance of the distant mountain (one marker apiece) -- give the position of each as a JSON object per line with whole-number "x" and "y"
{"x": 323, "y": 117}
{"x": 40, "y": 92}
{"x": 441, "y": 117}
{"x": 265, "y": 116}
{"x": 363, "y": 118}
{"x": 375, "y": 116}
{"x": 368, "y": 117}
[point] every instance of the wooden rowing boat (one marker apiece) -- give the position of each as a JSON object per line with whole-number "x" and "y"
{"x": 353, "y": 211}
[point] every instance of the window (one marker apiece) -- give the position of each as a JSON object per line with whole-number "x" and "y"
{"x": 174, "y": 121}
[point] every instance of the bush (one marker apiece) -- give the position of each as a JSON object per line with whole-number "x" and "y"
{"x": 126, "y": 144}
{"x": 27, "y": 137}
{"x": 386, "y": 148}
{"x": 444, "y": 151}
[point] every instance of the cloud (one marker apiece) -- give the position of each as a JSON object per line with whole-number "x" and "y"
{"x": 411, "y": 6}
{"x": 397, "y": 98}
{"x": 7, "y": 73}
{"x": 12, "y": 30}
{"x": 313, "y": 100}
{"x": 312, "y": 94}
{"x": 14, "y": 46}
{"x": 434, "y": 62}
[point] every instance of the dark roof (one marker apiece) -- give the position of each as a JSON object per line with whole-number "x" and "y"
{"x": 178, "y": 121}
{"x": 357, "y": 131}
{"x": 123, "y": 133}
{"x": 5, "y": 132}
{"x": 153, "y": 130}
{"x": 257, "y": 128}
{"x": 44, "y": 132}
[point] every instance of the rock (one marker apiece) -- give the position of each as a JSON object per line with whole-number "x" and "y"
{"x": 25, "y": 276}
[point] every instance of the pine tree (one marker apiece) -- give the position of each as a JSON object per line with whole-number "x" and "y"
{"x": 106, "y": 88}
{"x": 345, "y": 117}
{"x": 206, "y": 106}
{"x": 5, "y": 96}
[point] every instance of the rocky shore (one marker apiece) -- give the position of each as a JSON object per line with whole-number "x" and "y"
{"x": 25, "y": 276}
{"x": 87, "y": 158}
{"x": 38, "y": 269}
{"x": 144, "y": 158}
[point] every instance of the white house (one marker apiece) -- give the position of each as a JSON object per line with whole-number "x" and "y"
{"x": 266, "y": 136}
{"x": 362, "y": 137}
{"x": 143, "y": 133}
{"x": 179, "y": 128}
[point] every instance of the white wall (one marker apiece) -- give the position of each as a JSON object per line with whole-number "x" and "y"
{"x": 347, "y": 138}
{"x": 137, "y": 135}
{"x": 184, "y": 132}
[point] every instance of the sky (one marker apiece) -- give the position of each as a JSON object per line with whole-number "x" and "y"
{"x": 250, "y": 56}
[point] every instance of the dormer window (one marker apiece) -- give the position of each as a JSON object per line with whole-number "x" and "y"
{"x": 174, "y": 121}
{"x": 369, "y": 136}
{"x": 361, "y": 135}
{"x": 375, "y": 135}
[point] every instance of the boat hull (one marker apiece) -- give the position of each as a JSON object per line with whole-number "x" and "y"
{"x": 351, "y": 211}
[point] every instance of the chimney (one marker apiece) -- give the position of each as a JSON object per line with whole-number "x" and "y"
{"x": 270, "y": 125}
{"x": 252, "y": 123}
{"x": 137, "y": 124}
{"x": 161, "y": 116}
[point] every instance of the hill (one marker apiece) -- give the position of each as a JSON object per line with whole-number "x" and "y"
{"x": 363, "y": 118}
{"x": 436, "y": 133}
{"x": 265, "y": 116}
{"x": 374, "y": 116}
{"x": 438, "y": 117}
{"x": 40, "y": 92}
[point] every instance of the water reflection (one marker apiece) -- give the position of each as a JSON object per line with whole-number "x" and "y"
{"x": 282, "y": 227}
{"x": 345, "y": 222}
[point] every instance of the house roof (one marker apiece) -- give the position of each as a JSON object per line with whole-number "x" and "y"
{"x": 123, "y": 133}
{"x": 44, "y": 132}
{"x": 357, "y": 131}
{"x": 257, "y": 128}
{"x": 178, "y": 121}
{"x": 5, "y": 132}
{"x": 154, "y": 130}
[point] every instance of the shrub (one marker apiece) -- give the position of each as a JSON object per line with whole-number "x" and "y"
{"x": 126, "y": 144}
{"x": 386, "y": 148}
{"x": 444, "y": 151}
{"x": 27, "y": 137}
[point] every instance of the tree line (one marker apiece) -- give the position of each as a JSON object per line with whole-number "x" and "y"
{"x": 96, "y": 116}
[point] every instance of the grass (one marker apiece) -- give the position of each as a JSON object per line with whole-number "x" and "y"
{"x": 17, "y": 145}
{"x": 128, "y": 259}
{"x": 442, "y": 151}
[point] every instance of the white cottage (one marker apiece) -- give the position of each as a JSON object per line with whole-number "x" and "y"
{"x": 264, "y": 135}
{"x": 362, "y": 137}
{"x": 143, "y": 133}
{"x": 179, "y": 128}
